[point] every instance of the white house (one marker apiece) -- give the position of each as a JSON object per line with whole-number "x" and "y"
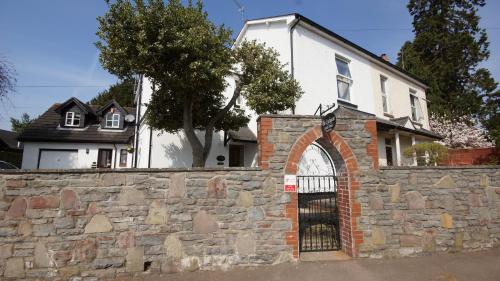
{"x": 330, "y": 69}
{"x": 74, "y": 135}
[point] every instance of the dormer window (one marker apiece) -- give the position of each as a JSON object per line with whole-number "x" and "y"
{"x": 113, "y": 120}
{"x": 72, "y": 119}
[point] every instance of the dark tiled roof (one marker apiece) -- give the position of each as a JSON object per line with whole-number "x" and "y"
{"x": 243, "y": 134}
{"x": 387, "y": 124}
{"x": 8, "y": 140}
{"x": 46, "y": 128}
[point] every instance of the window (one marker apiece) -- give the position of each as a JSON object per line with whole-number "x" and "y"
{"x": 113, "y": 120}
{"x": 123, "y": 158}
{"x": 416, "y": 110}
{"x": 237, "y": 103}
{"x": 388, "y": 151}
{"x": 383, "y": 89}
{"x": 344, "y": 80}
{"x": 72, "y": 119}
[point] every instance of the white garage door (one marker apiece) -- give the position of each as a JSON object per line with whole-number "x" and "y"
{"x": 58, "y": 159}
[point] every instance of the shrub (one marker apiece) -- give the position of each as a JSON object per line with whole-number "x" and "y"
{"x": 427, "y": 153}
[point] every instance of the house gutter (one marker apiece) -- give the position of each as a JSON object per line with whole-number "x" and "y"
{"x": 151, "y": 136}
{"x": 292, "y": 68}
{"x": 138, "y": 122}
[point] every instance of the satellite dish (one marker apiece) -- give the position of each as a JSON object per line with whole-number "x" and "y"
{"x": 129, "y": 118}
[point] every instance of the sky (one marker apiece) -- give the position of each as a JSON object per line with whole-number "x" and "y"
{"x": 51, "y": 43}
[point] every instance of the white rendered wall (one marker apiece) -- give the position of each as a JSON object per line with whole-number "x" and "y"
{"x": 85, "y": 160}
{"x": 172, "y": 150}
{"x": 316, "y": 71}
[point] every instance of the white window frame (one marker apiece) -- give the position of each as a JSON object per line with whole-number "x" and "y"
{"x": 415, "y": 107}
{"x": 238, "y": 102}
{"x": 343, "y": 78}
{"x": 114, "y": 120}
{"x": 70, "y": 119}
{"x": 385, "y": 94}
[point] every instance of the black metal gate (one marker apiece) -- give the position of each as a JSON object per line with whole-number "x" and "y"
{"x": 318, "y": 214}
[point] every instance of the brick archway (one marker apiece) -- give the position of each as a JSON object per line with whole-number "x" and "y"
{"x": 346, "y": 166}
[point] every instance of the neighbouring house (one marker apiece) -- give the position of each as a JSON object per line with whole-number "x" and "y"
{"x": 10, "y": 149}
{"x": 330, "y": 69}
{"x": 75, "y": 135}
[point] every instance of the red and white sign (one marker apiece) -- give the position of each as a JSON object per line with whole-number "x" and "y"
{"x": 290, "y": 183}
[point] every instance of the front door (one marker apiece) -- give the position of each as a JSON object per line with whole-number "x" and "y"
{"x": 104, "y": 157}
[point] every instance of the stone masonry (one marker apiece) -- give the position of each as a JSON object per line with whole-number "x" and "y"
{"x": 421, "y": 210}
{"x": 98, "y": 225}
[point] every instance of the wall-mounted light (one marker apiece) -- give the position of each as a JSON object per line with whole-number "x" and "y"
{"x": 87, "y": 151}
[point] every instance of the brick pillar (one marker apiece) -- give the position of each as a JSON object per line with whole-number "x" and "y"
{"x": 265, "y": 148}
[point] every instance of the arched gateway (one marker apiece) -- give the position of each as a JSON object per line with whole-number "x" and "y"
{"x": 329, "y": 159}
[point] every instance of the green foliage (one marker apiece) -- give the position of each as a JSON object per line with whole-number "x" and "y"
{"x": 18, "y": 125}
{"x": 427, "y": 153}
{"x": 122, "y": 92}
{"x": 490, "y": 116}
{"x": 446, "y": 52}
{"x": 188, "y": 58}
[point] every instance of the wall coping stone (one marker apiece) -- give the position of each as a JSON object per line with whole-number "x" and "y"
{"x": 126, "y": 170}
{"x": 439, "y": 167}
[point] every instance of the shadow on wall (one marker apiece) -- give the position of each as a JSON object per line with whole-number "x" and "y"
{"x": 176, "y": 154}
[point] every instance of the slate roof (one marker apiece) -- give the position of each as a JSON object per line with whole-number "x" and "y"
{"x": 8, "y": 140}
{"x": 396, "y": 124}
{"x": 46, "y": 128}
{"x": 243, "y": 134}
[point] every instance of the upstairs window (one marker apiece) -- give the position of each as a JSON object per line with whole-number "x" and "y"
{"x": 113, "y": 120}
{"x": 383, "y": 89}
{"x": 416, "y": 110}
{"x": 344, "y": 80}
{"x": 72, "y": 119}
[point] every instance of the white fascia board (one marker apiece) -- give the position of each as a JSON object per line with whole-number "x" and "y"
{"x": 362, "y": 54}
{"x": 241, "y": 34}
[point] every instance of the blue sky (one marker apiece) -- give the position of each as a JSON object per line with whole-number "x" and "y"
{"x": 51, "y": 43}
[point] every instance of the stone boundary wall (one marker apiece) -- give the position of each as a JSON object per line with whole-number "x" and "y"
{"x": 409, "y": 211}
{"x": 101, "y": 225}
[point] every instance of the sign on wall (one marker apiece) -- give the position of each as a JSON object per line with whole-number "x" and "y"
{"x": 290, "y": 183}
{"x": 328, "y": 121}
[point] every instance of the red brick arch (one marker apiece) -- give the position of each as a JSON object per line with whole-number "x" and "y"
{"x": 349, "y": 208}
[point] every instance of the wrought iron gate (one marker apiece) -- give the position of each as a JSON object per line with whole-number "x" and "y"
{"x": 318, "y": 214}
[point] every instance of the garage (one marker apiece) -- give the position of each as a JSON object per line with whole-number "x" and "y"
{"x": 58, "y": 159}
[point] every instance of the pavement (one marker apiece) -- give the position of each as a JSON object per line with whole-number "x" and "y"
{"x": 474, "y": 266}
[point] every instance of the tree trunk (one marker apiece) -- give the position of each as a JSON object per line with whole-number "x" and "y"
{"x": 196, "y": 146}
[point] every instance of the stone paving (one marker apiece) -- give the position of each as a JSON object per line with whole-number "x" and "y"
{"x": 477, "y": 266}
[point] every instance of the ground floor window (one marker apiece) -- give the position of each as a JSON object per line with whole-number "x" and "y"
{"x": 388, "y": 152}
{"x": 236, "y": 155}
{"x": 123, "y": 158}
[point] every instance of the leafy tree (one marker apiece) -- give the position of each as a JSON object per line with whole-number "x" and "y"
{"x": 7, "y": 78}
{"x": 18, "y": 125}
{"x": 459, "y": 133}
{"x": 189, "y": 59}
{"x": 490, "y": 116}
{"x": 446, "y": 52}
{"x": 122, "y": 92}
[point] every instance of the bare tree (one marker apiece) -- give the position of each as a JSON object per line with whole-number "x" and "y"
{"x": 7, "y": 78}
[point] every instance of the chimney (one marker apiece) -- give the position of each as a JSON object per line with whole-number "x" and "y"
{"x": 384, "y": 57}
